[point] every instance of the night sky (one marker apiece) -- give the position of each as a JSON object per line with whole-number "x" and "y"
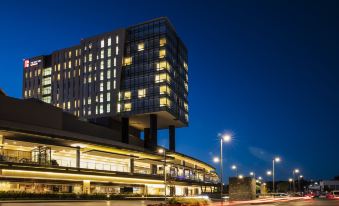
{"x": 266, "y": 71}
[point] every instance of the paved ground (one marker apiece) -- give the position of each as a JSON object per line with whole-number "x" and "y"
{"x": 145, "y": 203}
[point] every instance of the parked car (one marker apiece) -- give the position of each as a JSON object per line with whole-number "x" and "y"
{"x": 333, "y": 195}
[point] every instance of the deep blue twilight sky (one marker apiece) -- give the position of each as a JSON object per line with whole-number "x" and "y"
{"x": 267, "y": 71}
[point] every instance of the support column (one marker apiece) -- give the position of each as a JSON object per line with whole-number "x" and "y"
{"x": 2, "y": 141}
{"x": 147, "y": 138}
{"x": 153, "y": 121}
{"x": 131, "y": 165}
{"x": 77, "y": 157}
{"x": 124, "y": 130}
{"x": 171, "y": 131}
{"x": 86, "y": 187}
{"x": 154, "y": 169}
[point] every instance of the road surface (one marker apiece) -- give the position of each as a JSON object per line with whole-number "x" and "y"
{"x": 145, "y": 203}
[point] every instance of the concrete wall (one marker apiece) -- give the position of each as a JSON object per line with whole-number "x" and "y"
{"x": 242, "y": 189}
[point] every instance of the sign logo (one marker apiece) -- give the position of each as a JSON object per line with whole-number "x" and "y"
{"x": 26, "y": 63}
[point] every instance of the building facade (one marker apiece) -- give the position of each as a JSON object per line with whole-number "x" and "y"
{"x": 46, "y": 150}
{"x": 136, "y": 78}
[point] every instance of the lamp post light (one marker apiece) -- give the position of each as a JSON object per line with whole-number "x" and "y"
{"x": 163, "y": 151}
{"x": 223, "y": 138}
{"x": 252, "y": 174}
{"x": 241, "y": 176}
{"x": 235, "y": 168}
{"x": 295, "y": 171}
{"x": 276, "y": 159}
{"x": 299, "y": 177}
{"x": 290, "y": 180}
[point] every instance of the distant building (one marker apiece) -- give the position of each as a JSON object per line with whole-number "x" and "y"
{"x": 326, "y": 185}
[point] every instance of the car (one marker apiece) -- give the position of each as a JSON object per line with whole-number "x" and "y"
{"x": 333, "y": 195}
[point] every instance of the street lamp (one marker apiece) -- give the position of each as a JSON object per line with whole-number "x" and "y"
{"x": 276, "y": 159}
{"x": 295, "y": 171}
{"x": 234, "y": 167}
{"x": 290, "y": 180}
{"x": 240, "y": 176}
{"x": 269, "y": 172}
{"x": 163, "y": 151}
{"x": 252, "y": 174}
{"x": 299, "y": 177}
{"x": 223, "y": 138}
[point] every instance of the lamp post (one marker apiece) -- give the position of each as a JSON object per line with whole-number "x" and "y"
{"x": 252, "y": 174}
{"x": 276, "y": 159}
{"x": 163, "y": 151}
{"x": 269, "y": 173}
{"x": 223, "y": 138}
{"x": 295, "y": 171}
{"x": 299, "y": 177}
{"x": 235, "y": 168}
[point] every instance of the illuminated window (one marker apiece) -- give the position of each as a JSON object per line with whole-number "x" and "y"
{"x": 102, "y": 64}
{"x": 69, "y": 64}
{"x": 109, "y": 52}
{"x": 89, "y": 57}
{"x": 164, "y": 90}
{"x": 186, "y": 117}
{"x": 109, "y": 41}
{"x": 162, "y": 41}
{"x": 114, "y": 84}
{"x": 108, "y": 85}
{"x": 89, "y": 79}
{"x": 46, "y": 90}
{"x": 46, "y": 99}
{"x": 116, "y": 39}
{"x": 115, "y": 62}
{"x": 101, "y": 87}
{"x": 108, "y": 97}
{"x": 162, "y": 65}
{"x": 186, "y": 86}
{"x": 127, "y": 95}
{"x": 185, "y": 66}
{"x": 90, "y": 68}
{"x": 114, "y": 73}
{"x": 127, "y": 107}
{"x": 141, "y": 46}
{"x": 102, "y": 43}
{"x": 108, "y": 74}
{"x": 46, "y": 81}
{"x": 161, "y": 78}
{"x": 119, "y": 107}
{"x": 141, "y": 93}
{"x": 108, "y": 63}
{"x": 101, "y": 98}
{"x": 46, "y": 71}
{"x": 108, "y": 108}
{"x": 116, "y": 50}
{"x": 101, "y": 109}
{"x": 127, "y": 61}
{"x": 102, "y": 54}
{"x": 162, "y": 53}
{"x": 165, "y": 102}
{"x": 186, "y": 106}
{"x": 101, "y": 75}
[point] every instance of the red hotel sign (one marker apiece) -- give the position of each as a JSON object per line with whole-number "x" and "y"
{"x": 26, "y": 63}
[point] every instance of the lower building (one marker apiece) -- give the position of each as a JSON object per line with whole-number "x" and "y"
{"x": 43, "y": 149}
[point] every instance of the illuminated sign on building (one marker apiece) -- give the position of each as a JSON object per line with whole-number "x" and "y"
{"x": 26, "y": 63}
{"x": 34, "y": 63}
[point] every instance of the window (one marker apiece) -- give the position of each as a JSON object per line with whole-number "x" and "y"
{"x": 102, "y": 54}
{"x": 116, "y": 39}
{"x": 127, "y": 95}
{"x": 89, "y": 57}
{"x": 185, "y": 66}
{"x": 108, "y": 85}
{"x": 162, "y": 65}
{"x": 186, "y": 106}
{"x": 46, "y": 99}
{"x": 101, "y": 87}
{"x": 141, "y": 47}
{"x": 101, "y": 98}
{"x": 114, "y": 84}
{"x": 108, "y": 97}
{"x": 101, "y": 110}
{"x": 161, "y": 78}
{"x": 45, "y": 72}
{"x": 115, "y": 62}
{"x": 46, "y": 90}
{"x": 108, "y": 74}
{"x": 109, "y": 52}
{"x": 141, "y": 93}
{"x": 127, "y": 107}
{"x": 162, "y": 53}
{"x": 108, "y": 108}
{"x": 118, "y": 107}
{"x": 116, "y": 50}
{"x": 114, "y": 73}
{"x": 101, "y": 75}
{"x": 165, "y": 102}
{"x": 108, "y": 63}
{"x": 102, "y": 43}
{"x": 162, "y": 41}
{"x": 127, "y": 61}
{"x": 164, "y": 90}
{"x": 102, "y": 64}
{"x": 46, "y": 81}
{"x": 109, "y": 41}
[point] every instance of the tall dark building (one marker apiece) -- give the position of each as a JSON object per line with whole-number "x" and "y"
{"x": 136, "y": 78}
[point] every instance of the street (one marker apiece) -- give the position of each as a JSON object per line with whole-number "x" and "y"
{"x": 145, "y": 203}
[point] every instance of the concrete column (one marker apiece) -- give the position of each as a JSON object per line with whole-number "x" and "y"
{"x": 147, "y": 138}
{"x": 77, "y": 156}
{"x": 124, "y": 130}
{"x": 154, "y": 169}
{"x": 131, "y": 165}
{"x": 171, "y": 131}
{"x": 154, "y": 130}
{"x": 86, "y": 187}
{"x": 2, "y": 141}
